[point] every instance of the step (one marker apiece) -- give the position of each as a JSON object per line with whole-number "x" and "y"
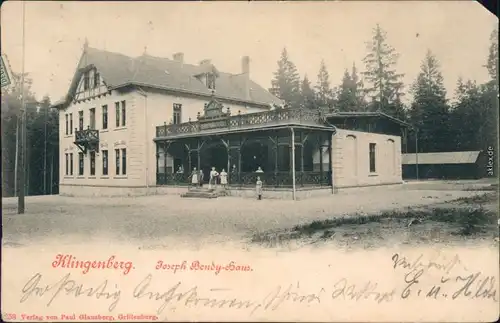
{"x": 201, "y": 190}
{"x": 200, "y": 195}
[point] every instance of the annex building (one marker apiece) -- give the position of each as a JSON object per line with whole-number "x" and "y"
{"x": 140, "y": 125}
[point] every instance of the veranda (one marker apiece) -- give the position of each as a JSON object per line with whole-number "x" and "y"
{"x": 286, "y": 148}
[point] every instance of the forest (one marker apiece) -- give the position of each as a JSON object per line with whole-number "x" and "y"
{"x": 467, "y": 121}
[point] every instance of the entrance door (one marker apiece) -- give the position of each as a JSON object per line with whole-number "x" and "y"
{"x": 214, "y": 156}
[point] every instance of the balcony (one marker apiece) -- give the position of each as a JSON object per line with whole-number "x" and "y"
{"x": 87, "y": 140}
{"x": 226, "y": 122}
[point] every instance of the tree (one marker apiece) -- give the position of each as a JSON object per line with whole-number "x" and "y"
{"x": 475, "y": 112}
{"x": 492, "y": 62}
{"x": 324, "y": 93}
{"x": 42, "y": 143}
{"x": 286, "y": 82}
{"x": 384, "y": 84}
{"x": 307, "y": 93}
{"x": 350, "y": 96}
{"x": 11, "y": 115}
{"x": 429, "y": 110}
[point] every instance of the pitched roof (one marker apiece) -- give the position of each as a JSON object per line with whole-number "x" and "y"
{"x": 119, "y": 70}
{"x": 455, "y": 157}
{"x": 367, "y": 114}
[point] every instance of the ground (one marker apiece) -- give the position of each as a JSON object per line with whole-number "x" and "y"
{"x": 155, "y": 222}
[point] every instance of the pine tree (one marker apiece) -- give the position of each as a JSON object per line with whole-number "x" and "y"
{"x": 307, "y": 93}
{"x": 384, "y": 84}
{"x": 286, "y": 82}
{"x": 350, "y": 96}
{"x": 492, "y": 62}
{"x": 429, "y": 109}
{"x": 324, "y": 93}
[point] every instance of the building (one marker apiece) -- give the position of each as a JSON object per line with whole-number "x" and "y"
{"x": 132, "y": 126}
{"x": 445, "y": 165}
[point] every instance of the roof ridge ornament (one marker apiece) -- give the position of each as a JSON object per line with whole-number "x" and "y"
{"x": 86, "y": 44}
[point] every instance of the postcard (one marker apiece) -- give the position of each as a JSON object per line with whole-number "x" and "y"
{"x": 249, "y": 162}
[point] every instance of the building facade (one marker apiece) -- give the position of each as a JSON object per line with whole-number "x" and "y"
{"x": 135, "y": 126}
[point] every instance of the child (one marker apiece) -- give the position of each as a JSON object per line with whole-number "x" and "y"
{"x": 223, "y": 178}
{"x": 258, "y": 188}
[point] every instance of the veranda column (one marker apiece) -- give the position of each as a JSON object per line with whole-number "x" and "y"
{"x": 165, "y": 148}
{"x": 198, "y": 155}
{"x": 239, "y": 164}
{"x": 157, "y": 163}
{"x": 302, "y": 158}
{"x": 321, "y": 160}
{"x": 330, "y": 161}
{"x": 228, "y": 149}
{"x": 190, "y": 169}
{"x": 276, "y": 152}
{"x": 293, "y": 162}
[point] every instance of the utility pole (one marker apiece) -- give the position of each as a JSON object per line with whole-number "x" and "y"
{"x": 45, "y": 152}
{"x": 22, "y": 150}
{"x": 16, "y": 162}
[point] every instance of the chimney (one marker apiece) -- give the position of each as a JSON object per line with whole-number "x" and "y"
{"x": 205, "y": 62}
{"x": 245, "y": 65}
{"x": 179, "y": 57}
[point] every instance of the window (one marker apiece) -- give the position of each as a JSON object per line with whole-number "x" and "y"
{"x": 124, "y": 161}
{"x": 71, "y": 123}
{"x": 105, "y": 162}
{"x": 123, "y": 116}
{"x": 117, "y": 161}
{"x": 96, "y": 79}
{"x": 177, "y": 113}
{"x": 66, "y": 116}
{"x": 105, "y": 116}
{"x": 372, "y": 158}
{"x": 67, "y": 164}
{"x": 80, "y": 164}
{"x": 92, "y": 163}
{"x": 211, "y": 81}
{"x": 71, "y": 164}
{"x": 80, "y": 120}
{"x": 86, "y": 81}
{"x": 92, "y": 118}
{"x": 117, "y": 111}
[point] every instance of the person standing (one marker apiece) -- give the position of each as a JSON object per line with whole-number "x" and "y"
{"x": 201, "y": 177}
{"x": 194, "y": 178}
{"x": 223, "y": 178}
{"x": 213, "y": 178}
{"x": 258, "y": 188}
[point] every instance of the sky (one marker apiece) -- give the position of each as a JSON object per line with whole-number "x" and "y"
{"x": 457, "y": 32}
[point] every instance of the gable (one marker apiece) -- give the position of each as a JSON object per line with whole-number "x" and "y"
{"x": 89, "y": 84}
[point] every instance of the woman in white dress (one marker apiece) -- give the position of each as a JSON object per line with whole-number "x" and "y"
{"x": 194, "y": 177}
{"x": 223, "y": 178}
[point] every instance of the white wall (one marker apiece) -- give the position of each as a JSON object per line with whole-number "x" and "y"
{"x": 110, "y": 139}
{"x": 351, "y": 159}
{"x": 159, "y": 109}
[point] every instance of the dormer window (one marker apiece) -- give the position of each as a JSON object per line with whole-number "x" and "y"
{"x": 86, "y": 81}
{"x": 211, "y": 81}
{"x": 96, "y": 79}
